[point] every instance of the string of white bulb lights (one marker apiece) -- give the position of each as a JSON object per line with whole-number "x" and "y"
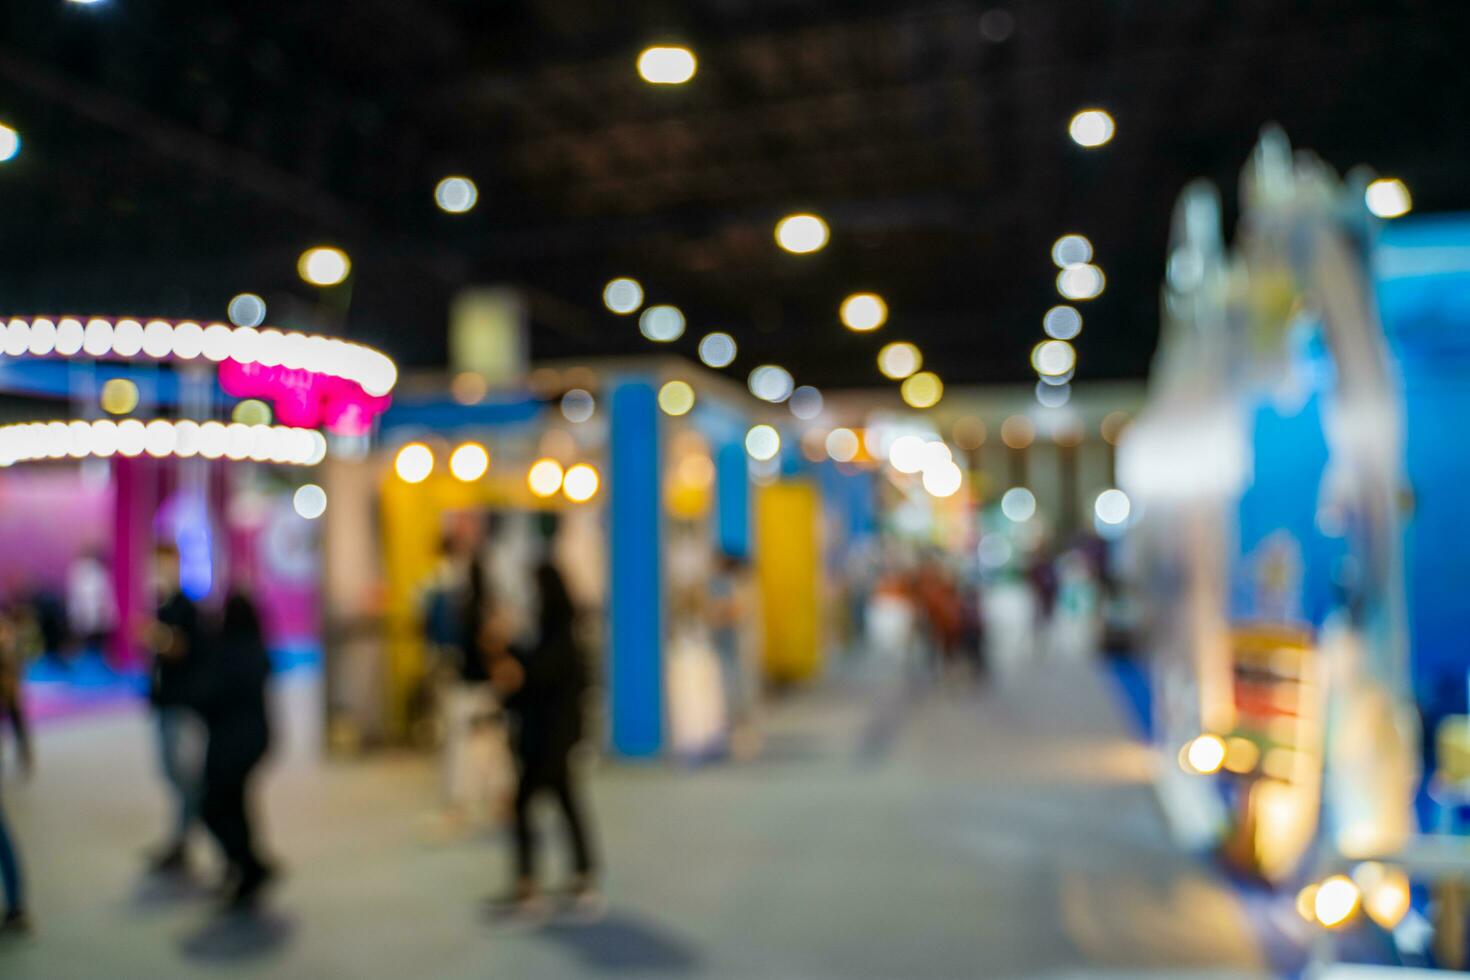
{"x": 156, "y": 339}
{"x": 159, "y": 438}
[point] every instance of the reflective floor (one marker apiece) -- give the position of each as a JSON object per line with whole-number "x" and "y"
{"x": 888, "y": 831}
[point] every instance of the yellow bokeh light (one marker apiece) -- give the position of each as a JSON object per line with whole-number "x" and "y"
{"x": 863, "y": 312}
{"x": 1241, "y": 754}
{"x": 922, "y": 390}
{"x": 1017, "y": 432}
{"x": 545, "y": 477}
{"x": 1385, "y": 893}
{"x": 696, "y": 470}
{"x": 1388, "y": 197}
{"x": 414, "y": 463}
{"x": 119, "y": 396}
{"x": 1306, "y": 902}
{"x": 1092, "y": 128}
{"x": 324, "y": 265}
{"x": 1336, "y": 901}
{"x": 676, "y": 398}
{"x": 1205, "y": 754}
{"x": 469, "y": 462}
{"x": 252, "y": 411}
{"x": 900, "y": 359}
{"x": 842, "y": 445}
{"x": 671, "y": 65}
{"x": 581, "y": 483}
{"x": 801, "y": 234}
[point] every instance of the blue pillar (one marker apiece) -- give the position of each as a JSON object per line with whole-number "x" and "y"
{"x": 732, "y": 501}
{"x": 635, "y": 672}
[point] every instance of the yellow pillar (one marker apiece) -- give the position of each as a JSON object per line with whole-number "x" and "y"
{"x": 788, "y": 564}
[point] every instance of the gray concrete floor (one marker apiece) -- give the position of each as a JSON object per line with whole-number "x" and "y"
{"x": 886, "y": 832}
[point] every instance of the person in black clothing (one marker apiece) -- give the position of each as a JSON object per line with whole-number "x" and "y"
{"x": 14, "y": 920}
{"x": 175, "y": 640}
{"x": 544, "y": 688}
{"x": 229, "y": 693}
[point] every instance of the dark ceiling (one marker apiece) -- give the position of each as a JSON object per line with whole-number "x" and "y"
{"x": 179, "y": 152}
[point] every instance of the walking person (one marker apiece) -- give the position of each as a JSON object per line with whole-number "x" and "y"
{"x": 15, "y": 920}
{"x": 229, "y": 693}
{"x": 544, "y": 687}
{"x": 174, "y": 638}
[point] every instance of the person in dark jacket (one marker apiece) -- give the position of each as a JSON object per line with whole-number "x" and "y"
{"x": 544, "y": 688}
{"x": 229, "y": 694}
{"x": 174, "y": 638}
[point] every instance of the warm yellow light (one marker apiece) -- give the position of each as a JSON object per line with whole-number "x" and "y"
{"x": 899, "y": 360}
{"x": 1017, "y": 432}
{"x": 545, "y": 477}
{"x": 324, "y": 265}
{"x": 1053, "y": 357}
{"x": 414, "y": 463}
{"x": 1336, "y": 901}
{"x": 842, "y": 445}
{"x": 469, "y": 387}
{"x": 9, "y": 143}
{"x": 801, "y": 233}
{"x": 676, "y": 398}
{"x": 863, "y": 312}
{"x": 1092, "y": 128}
{"x": 667, "y": 65}
{"x": 1306, "y": 902}
{"x": 1241, "y": 754}
{"x": 1206, "y": 754}
{"x": 763, "y": 442}
{"x": 1388, "y": 197}
{"x": 252, "y": 411}
{"x": 622, "y": 295}
{"x": 922, "y": 390}
{"x": 696, "y": 470}
{"x": 581, "y": 483}
{"x": 119, "y": 396}
{"x": 469, "y": 462}
{"x": 1385, "y": 892}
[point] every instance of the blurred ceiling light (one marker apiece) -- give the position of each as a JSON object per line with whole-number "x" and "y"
{"x": 622, "y": 295}
{"x": 578, "y": 405}
{"x": 801, "y": 233}
{"x": 456, "y": 195}
{"x": 545, "y": 477}
{"x": 1017, "y": 432}
{"x": 900, "y": 359}
{"x": 323, "y": 265}
{"x": 1385, "y": 892}
{"x": 762, "y": 442}
{"x": 662, "y": 323}
{"x": 1091, "y": 128}
{"x": 676, "y": 398}
{"x": 1052, "y": 396}
{"x": 9, "y": 143}
{"x": 1018, "y": 504}
{"x": 246, "y": 310}
{"x": 251, "y": 411}
{"x": 1112, "y": 506}
{"x": 119, "y": 396}
{"x": 717, "y": 349}
{"x": 469, "y": 462}
{"x": 943, "y": 480}
{"x": 310, "y": 501}
{"x": 1336, "y": 901}
{"x": 935, "y": 453}
{"x": 907, "y": 454}
{"x": 1053, "y": 357}
{"x": 581, "y": 483}
{"x": 1113, "y": 425}
{"x": 842, "y": 445}
{"x": 1205, "y": 754}
{"x": 1082, "y": 281}
{"x": 1387, "y": 197}
{"x": 667, "y": 65}
{"x": 806, "y": 403}
{"x": 1071, "y": 250}
{"x": 414, "y": 463}
{"x": 1062, "y": 323}
{"x": 996, "y": 25}
{"x": 863, "y": 312}
{"x": 922, "y": 390}
{"x": 469, "y": 388}
{"x": 771, "y": 383}
{"x": 969, "y": 432}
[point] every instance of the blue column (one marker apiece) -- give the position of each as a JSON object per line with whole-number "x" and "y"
{"x": 732, "y": 501}
{"x": 635, "y": 670}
